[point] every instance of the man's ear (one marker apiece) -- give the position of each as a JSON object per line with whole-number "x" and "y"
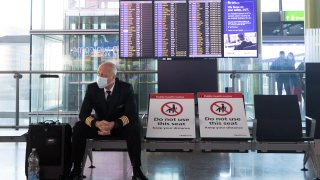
{"x": 113, "y": 77}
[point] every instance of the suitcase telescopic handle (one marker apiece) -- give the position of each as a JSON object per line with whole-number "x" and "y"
{"x": 49, "y": 76}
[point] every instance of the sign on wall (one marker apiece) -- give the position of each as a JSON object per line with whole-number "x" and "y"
{"x": 222, "y": 115}
{"x": 171, "y": 115}
{"x": 240, "y": 28}
{"x": 293, "y": 16}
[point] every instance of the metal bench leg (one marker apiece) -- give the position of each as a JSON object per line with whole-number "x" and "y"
{"x": 305, "y": 159}
{"x": 90, "y": 158}
{"x": 87, "y": 152}
{"x": 84, "y": 160}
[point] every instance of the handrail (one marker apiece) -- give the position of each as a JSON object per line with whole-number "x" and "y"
{"x": 155, "y": 71}
{"x": 73, "y": 72}
{"x": 73, "y": 32}
{"x": 261, "y": 72}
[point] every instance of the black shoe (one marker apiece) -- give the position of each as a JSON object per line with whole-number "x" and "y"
{"x": 76, "y": 174}
{"x": 76, "y": 178}
{"x": 138, "y": 174}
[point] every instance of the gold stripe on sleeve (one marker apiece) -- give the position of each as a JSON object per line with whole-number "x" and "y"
{"x": 88, "y": 120}
{"x": 125, "y": 120}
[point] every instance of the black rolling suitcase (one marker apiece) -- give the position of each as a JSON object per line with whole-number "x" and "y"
{"x": 52, "y": 141}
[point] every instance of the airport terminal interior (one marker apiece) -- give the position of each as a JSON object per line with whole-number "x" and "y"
{"x": 178, "y": 56}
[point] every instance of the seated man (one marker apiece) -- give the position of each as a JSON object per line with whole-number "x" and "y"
{"x": 243, "y": 43}
{"x": 115, "y": 115}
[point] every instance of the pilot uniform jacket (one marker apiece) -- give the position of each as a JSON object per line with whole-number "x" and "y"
{"x": 120, "y": 108}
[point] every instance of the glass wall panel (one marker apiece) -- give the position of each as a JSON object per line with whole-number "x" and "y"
{"x": 85, "y": 53}
{"x": 15, "y": 17}
{"x": 270, "y": 52}
{"x": 72, "y": 90}
{"x": 251, "y": 84}
{"x": 8, "y": 99}
{"x": 74, "y": 14}
{"x": 74, "y": 22}
{"x": 270, "y": 5}
{"x": 7, "y": 103}
{"x": 48, "y": 14}
{"x": 15, "y": 56}
{"x": 293, "y": 5}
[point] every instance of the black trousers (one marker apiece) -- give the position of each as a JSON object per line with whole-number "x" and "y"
{"x": 283, "y": 81}
{"x": 130, "y": 132}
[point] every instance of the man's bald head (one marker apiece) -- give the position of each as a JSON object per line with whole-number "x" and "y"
{"x": 107, "y": 68}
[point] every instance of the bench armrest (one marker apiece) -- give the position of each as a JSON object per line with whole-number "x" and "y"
{"x": 254, "y": 128}
{"x": 313, "y": 126}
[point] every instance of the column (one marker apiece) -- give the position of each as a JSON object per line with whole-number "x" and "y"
{"x": 312, "y": 30}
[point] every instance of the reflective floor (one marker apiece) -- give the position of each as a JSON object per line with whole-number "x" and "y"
{"x": 174, "y": 165}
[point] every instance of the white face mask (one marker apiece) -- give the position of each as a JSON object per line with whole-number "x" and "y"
{"x": 102, "y": 82}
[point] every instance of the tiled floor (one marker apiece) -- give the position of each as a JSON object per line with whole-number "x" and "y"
{"x": 174, "y": 166}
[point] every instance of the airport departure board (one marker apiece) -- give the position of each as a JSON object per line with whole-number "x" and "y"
{"x": 188, "y": 28}
{"x": 136, "y": 31}
{"x": 171, "y": 28}
{"x": 205, "y": 28}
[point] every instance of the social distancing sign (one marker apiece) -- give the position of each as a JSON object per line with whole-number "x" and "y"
{"x": 222, "y": 115}
{"x": 171, "y": 115}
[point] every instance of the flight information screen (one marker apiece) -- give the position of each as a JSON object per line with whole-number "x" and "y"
{"x": 170, "y": 28}
{"x": 136, "y": 35}
{"x": 240, "y": 28}
{"x": 205, "y": 28}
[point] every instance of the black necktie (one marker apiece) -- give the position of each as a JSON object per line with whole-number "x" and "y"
{"x": 108, "y": 97}
{"x": 108, "y": 94}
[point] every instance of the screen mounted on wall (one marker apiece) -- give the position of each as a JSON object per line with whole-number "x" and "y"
{"x": 171, "y": 28}
{"x": 205, "y": 28}
{"x": 240, "y": 28}
{"x": 186, "y": 76}
{"x": 136, "y": 35}
{"x": 188, "y": 28}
